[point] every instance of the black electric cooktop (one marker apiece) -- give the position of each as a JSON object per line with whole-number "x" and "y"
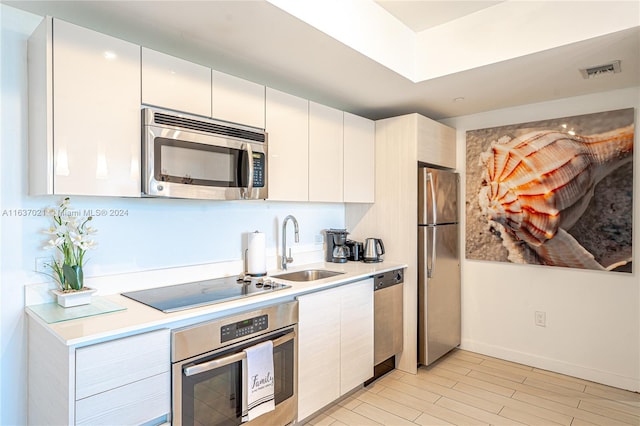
{"x": 201, "y": 293}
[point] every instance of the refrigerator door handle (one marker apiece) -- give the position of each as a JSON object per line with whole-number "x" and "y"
{"x": 434, "y": 207}
{"x": 431, "y": 268}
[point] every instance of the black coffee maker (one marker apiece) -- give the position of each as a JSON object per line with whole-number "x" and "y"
{"x": 356, "y": 249}
{"x": 337, "y": 250}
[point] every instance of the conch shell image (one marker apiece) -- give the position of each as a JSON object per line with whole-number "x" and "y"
{"x": 536, "y": 186}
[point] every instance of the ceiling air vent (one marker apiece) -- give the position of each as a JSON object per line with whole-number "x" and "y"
{"x": 599, "y": 70}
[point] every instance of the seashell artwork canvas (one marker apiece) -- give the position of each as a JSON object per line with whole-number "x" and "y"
{"x": 556, "y": 192}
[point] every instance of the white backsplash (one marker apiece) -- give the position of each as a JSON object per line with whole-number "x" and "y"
{"x": 118, "y": 283}
{"x": 156, "y": 242}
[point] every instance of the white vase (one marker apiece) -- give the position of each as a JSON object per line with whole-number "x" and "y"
{"x": 74, "y": 298}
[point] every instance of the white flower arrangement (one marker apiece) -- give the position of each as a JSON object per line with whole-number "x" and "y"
{"x": 71, "y": 236}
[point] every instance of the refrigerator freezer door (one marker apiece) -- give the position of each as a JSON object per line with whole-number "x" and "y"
{"x": 437, "y": 196}
{"x": 439, "y": 295}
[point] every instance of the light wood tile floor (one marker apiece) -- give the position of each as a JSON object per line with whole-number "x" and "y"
{"x": 466, "y": 388}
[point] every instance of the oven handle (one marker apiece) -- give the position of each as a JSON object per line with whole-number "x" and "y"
{"x": 230, "y": 359}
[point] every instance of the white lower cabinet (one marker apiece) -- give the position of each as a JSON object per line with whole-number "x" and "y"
{"x": 335, "y": 344}
{"x": 356, "y": 335}
{"x": 136, "y": 403}
{"x": 112, "y": 364}
{"x": 124, "y": 381}
{"x": 318, "y": 351}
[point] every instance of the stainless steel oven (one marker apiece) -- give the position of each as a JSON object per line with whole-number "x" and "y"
{"x": 208, "y": 361}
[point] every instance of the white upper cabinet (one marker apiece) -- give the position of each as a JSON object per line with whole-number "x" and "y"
{"x": 436, "y": 143}
{"x": 359, "y": 159}
{"x": 173, "y": 83}
{"x": 287, "y": 124}
{"x": 237, "y": 100}
{"x": 325, "y": 153}
{"x": 88, "y": 84}
{"x": 85, "y": 94}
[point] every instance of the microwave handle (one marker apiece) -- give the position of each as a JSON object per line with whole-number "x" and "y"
{"x": 230, "y": 359}
{"x": 250, "y": 161}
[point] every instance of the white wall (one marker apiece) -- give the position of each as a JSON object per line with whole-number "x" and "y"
{"x": 155, "y": 234}
{"x": 593, "y": 318}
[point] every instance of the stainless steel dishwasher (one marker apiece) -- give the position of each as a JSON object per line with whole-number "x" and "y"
{"x": 388, "y": 334}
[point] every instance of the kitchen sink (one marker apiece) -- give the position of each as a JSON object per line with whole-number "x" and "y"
{"x": 307, "y": 275}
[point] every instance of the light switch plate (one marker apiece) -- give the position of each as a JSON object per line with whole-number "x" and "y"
{"x": 41, "y": 264}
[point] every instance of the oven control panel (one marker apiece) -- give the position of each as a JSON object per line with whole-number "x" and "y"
{"x": 243, "y": 328}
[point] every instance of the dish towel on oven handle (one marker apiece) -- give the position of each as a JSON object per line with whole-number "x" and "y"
{"x": 258, "y": 380}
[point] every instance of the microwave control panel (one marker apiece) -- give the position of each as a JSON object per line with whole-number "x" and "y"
{"x": 243, "y": 328}
{"x": 258, "y": 170}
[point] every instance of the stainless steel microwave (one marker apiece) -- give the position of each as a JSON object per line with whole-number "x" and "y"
{"x": 186, "y": 156}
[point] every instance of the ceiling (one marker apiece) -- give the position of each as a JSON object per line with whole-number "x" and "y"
{"x": 422, "y": 15}
{"x": 258, "y": 41}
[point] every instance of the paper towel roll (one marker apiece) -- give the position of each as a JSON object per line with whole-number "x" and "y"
{"x": 256, "y": 254}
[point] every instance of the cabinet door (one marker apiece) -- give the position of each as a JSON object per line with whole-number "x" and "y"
{"x": 356, "y": 334}
{"x": 96, "y": 104}
{"x": 318, "y": 351}
{"x": 237, "y": 100}
{"x": 436, "y": 143}
{"x": 325, "y": 153}
{"x": 287, "y": 122}
{"x": 359, "y": 159}
{"x": 174, "y": 83}
{"x": 146, "y": 401}
{"x": 112, "y": 364}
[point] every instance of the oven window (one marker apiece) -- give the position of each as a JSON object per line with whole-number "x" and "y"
{"x": 196, "y": 164}
{"x": 215, "y": 397}
{"x": 283, "y": 365}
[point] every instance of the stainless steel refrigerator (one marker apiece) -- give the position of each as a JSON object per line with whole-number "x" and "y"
{"x": 438, "y": 264}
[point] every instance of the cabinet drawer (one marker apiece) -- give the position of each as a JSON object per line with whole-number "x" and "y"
{"x": 133, "y": 404}
{"x": 116, "y": 363}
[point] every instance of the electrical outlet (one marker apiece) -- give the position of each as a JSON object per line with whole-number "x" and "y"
{"x": 317, "y": 239}
{"x": 41, "y": 264}
{"x": 541, "y": 319}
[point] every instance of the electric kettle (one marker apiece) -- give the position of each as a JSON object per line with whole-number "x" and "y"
{"x": 373, "y": 249}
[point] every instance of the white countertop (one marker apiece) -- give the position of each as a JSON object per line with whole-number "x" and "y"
{"x": 138, "y": 318}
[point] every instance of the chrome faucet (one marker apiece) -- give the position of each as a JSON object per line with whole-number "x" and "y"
{"x": 288, "y": 259}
